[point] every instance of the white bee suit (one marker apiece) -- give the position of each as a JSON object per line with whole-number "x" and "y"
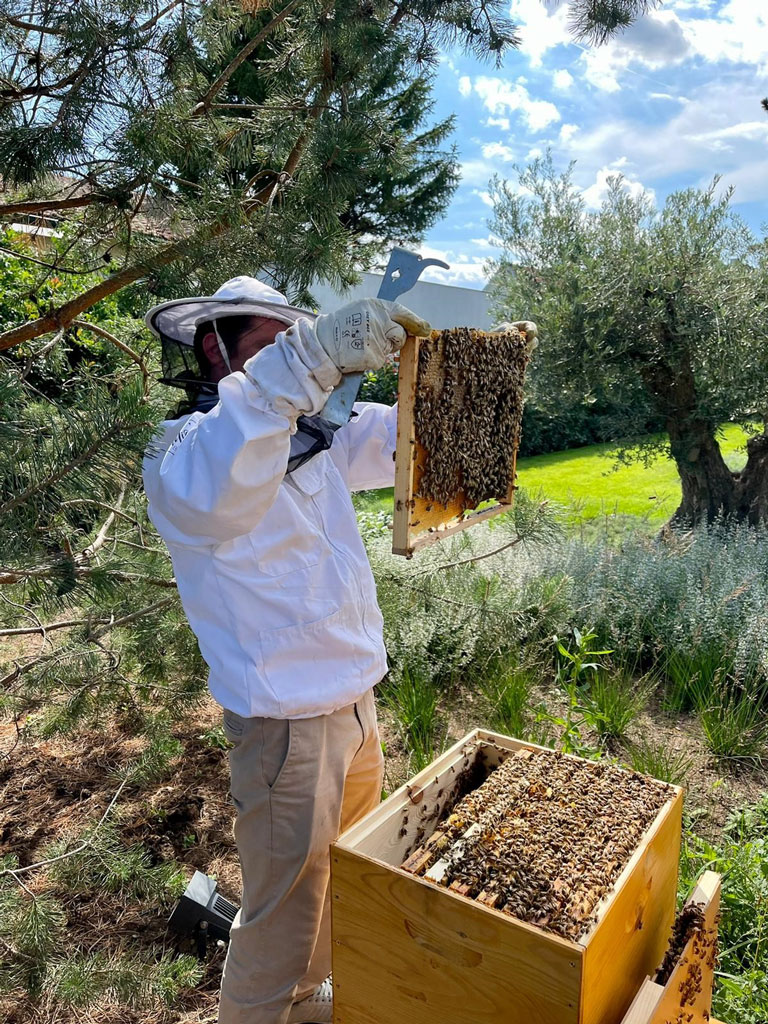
{"x": 270, "y": 566}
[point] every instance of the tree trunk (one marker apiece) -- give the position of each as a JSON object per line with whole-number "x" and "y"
{"x": 708, "y": 485}
{"x": 710, "y": 490}
{"x": 751, "y": 489}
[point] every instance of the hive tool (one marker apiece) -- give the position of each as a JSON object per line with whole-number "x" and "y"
{"x": 402, "y": 273}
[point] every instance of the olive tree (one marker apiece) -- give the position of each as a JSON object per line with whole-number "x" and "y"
{"x": 662, "y": 311}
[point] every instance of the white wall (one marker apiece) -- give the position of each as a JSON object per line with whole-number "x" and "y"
{"x": 441, "y": 304}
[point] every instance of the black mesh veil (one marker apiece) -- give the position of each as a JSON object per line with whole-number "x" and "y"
{"x": 180, "y": 370}
{"x": 180, "y": 366}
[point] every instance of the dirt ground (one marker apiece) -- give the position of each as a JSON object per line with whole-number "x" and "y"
{"x": 56, "y": 788}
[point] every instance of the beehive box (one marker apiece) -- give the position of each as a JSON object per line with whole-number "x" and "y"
{"x": 409, "y": 951}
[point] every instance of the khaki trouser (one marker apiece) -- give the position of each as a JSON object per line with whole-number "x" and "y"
{"x": 296, "y": 785}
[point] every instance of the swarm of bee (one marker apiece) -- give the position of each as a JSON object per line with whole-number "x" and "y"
{"x": 689, "y": 922}
{"x": 690, "y": 927}
{"x": 543, "y": 839}
{"x": 467, "y": 414}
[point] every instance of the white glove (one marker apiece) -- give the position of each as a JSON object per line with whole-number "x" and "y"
{"x": 361, "y": 335}
{"x": 526, "y": 327}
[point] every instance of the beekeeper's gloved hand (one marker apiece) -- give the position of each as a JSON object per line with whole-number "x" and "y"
{"x": 526, "y": 327}
{"x": 361, "y": 335}
{"x": 297, "y": 373}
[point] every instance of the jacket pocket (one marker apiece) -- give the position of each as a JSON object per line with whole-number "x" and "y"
{"x": 299, "y": 659}
{"x": 288, "y": 538}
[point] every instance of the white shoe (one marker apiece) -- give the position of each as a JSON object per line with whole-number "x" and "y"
{"x": 316, "y": 1008}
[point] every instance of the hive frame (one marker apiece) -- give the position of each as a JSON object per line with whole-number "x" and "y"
{"x": 415, "y": 525}
{"x": 658, "y": 1004}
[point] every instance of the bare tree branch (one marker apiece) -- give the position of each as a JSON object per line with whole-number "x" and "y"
{"x": 111, "y": 622}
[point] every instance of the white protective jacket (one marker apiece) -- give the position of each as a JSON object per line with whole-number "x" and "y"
{"x": 271, "y": 568}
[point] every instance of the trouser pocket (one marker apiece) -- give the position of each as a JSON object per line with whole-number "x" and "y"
{"x": 276, "y": 735}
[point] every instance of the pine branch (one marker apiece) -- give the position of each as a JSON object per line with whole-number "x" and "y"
{"x": 27, "y": 92}
{"x": 475, "y": 558}
{"x": 102, "y": 333}
{"x": 244, "y": 54}
{"x": 27, "y": 26}
{"x": 66, "y": 313}
{"x": 159, "y": 16}
{"x": 83, "y": 457}
{"x": 74, "y": 203}
{"x": 47, "y": 572}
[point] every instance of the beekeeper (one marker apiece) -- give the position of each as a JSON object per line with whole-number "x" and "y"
{"x": 250, "y": 489}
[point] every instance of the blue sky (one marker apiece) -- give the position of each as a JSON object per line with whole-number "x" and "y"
{"x": 670, "y": 103}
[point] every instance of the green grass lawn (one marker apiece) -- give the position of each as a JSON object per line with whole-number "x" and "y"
{"x": 590, "y": 483}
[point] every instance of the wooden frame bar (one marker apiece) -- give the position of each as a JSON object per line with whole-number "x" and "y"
{"x": 686, "y": 998}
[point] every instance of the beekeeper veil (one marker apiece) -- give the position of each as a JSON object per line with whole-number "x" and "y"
{"x": 175, "y": 323}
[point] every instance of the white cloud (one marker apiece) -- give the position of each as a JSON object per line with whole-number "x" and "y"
{"x": 465, "y": 85}
{"x": 498, "y": 122}
{"x": 653, "y": 41}
{"x": 748, "y": 181}
{"x": 736, "y": 32}
{"x": 534, "y": 154}
{"x": 743, "y": 130}
{"x": 699, "y": 141}
{"x": 562, "y": 79}
{"x": 491, "y": 242}
{"x": 466, "y": 268}
{"x": 567, "y": 132}
{"x": 598, "y": 190}
{"x": 497, "y": 150}
{"x": 542, "y": 27}
{"x": 501, "y": 96}
{"x": 475, "y": 172}
{"x": 484, "y": 196}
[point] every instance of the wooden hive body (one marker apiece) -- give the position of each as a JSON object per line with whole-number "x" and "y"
{"x": 406, "y": 951}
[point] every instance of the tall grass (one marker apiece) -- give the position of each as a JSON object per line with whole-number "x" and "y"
{"x": 659, "y": 760}
{"x": 612, "y": 701}
{"x": 508, "y": 688}
{"x": 412, "y": 698}
{"x": 734, "y": 720}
